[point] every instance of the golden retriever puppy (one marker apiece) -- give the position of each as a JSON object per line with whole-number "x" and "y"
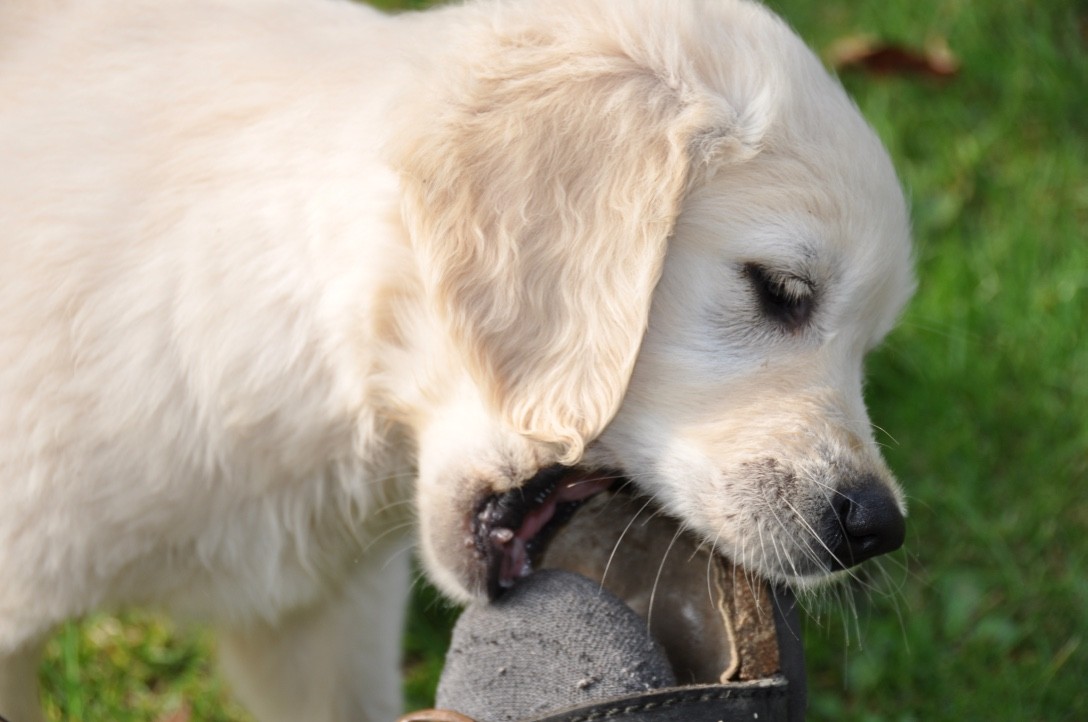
{"x": 279, "y": 278}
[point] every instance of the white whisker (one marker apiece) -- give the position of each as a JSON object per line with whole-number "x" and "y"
{"x": 616, "y": 546}
{"x": 657, "y": 578}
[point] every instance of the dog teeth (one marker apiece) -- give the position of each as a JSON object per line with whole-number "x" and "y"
{"x": 501, "y": 535}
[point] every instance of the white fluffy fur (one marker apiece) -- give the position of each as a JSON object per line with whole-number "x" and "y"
{"x": 271, "y": 268}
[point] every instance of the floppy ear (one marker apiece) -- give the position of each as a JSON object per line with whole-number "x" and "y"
{"x": 539, "y": 200}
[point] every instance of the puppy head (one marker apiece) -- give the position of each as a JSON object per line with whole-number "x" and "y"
{"x": 744, "y": 416}
{"x": 576, "y": 157}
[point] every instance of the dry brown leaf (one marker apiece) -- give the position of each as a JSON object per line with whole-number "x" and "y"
{"x": 868, "y": 54}
{"x": 182, "y": 714}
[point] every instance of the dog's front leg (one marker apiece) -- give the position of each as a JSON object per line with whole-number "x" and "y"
{"x": 19, "y": 683}
{"x": 335, "y": 661}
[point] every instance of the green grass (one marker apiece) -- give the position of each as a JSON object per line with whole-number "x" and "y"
{"x": 983, "y": 392}
{"x": 133, "y": 668}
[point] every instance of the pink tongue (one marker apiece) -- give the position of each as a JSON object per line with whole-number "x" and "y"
{"x": 573, "y": 489}
{"x": 516, "y": 564}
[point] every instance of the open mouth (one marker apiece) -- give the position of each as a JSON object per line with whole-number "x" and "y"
{"x": 715, "y": 621}
{"x": 511, "y": 530}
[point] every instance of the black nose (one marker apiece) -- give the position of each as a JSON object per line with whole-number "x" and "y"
{"x": 868, "y": 523}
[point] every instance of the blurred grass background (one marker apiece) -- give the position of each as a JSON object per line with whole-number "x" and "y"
{"x": 982, "y": 391}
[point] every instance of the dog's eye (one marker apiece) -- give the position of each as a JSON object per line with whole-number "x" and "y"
{"x": 784, "y": 298}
